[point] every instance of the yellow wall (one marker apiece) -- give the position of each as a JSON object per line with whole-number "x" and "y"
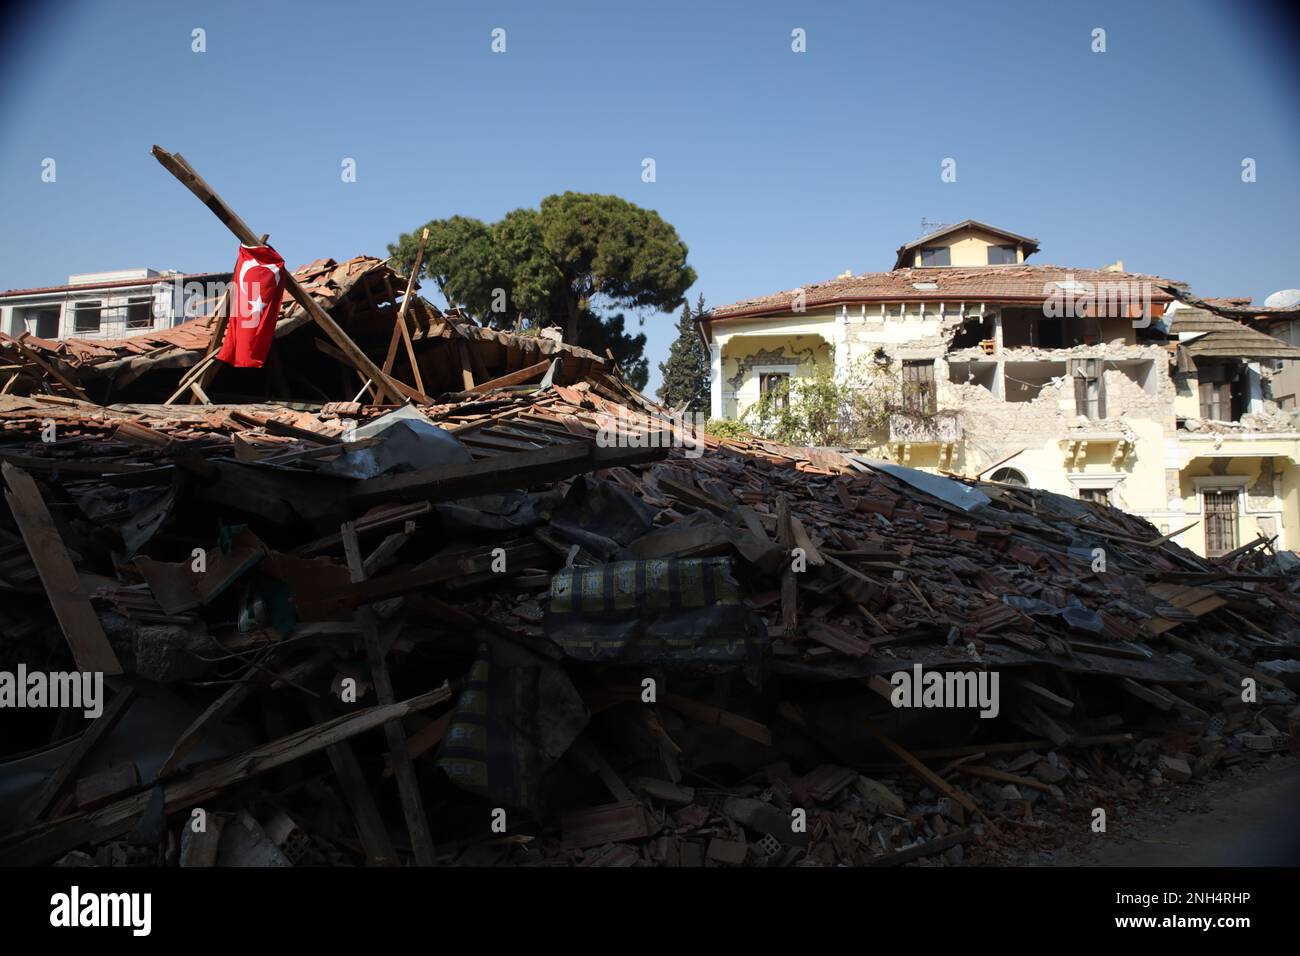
{"x": 969, "y": 247}
{"x": 1262, "y": 514}
{"x": 802, "y": 341}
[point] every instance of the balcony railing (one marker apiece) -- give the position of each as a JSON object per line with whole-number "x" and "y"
{"x": 924, "y": 428}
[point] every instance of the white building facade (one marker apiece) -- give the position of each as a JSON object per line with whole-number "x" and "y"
{"x": 109, "y": 305}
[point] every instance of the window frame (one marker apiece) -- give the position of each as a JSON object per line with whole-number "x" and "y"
{"x": 140, "y": 300}
{"x": 1222, "y": 525}
{"x": 920, "y": 391}
{"x": 947, "y": 255}
{"x": 1085, "y": 374}
{"x": 1007, "y": 250}
{"x": 1237, "y": 485}
{"x": 1107, "y": 481}
{"x": 1022, "y": 483}
{"x": 87, "y": 305}
{"x": 782, "y": 402}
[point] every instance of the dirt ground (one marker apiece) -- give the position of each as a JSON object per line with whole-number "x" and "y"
{"x": 1251, "y": 818}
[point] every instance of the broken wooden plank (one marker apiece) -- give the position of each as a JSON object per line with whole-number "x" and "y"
{"x": 356, "y": 790}
{"x": 48, "y": 841}
{"x": 1001, "y": 776}
{"x": 789, "y": 586}
{"x": 90, "y": 738}
{"x": 77, "y": 619}
{"x": 408, "y": 788}
{"x": 514, "y": 378}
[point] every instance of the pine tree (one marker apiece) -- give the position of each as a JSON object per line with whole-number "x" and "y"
{"x": 686, "y": 373}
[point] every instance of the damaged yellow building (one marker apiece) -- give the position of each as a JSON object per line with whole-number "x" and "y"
{"x": 1094, "y": 383}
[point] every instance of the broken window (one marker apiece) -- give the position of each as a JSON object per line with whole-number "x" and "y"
{"x": 1010, "y": 476}
{"x": 1002, "y": 255}
{"x": 976, "y": 332}
{"x": 776, "y": 384}
{"x": 1025, "y": 381}
{"x": 919, "y": 392}
{"x": 41, "y": 321}
{"x": 936, "y": 256}
{"x": 1051, "y": 334}
{"x": 1222, "y": 391}
{"x": 1221, "y": 509}
{"x": 1098, "y": 496}
{"x": 1089, "y": 388}
{"x": 139, "y": 313}
{"x": 86, "y": 317}
{"x": 983, "y": 374}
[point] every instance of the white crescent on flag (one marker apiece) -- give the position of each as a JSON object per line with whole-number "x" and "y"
{"x": 255, "y": 316}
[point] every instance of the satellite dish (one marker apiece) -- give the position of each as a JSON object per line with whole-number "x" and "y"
{"x": 1286, "y": 299}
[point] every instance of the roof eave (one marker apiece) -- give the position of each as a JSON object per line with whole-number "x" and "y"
{"x": 932, "y": 296}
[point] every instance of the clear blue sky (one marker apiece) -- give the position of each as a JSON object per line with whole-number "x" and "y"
{"x": 776, "y": 168}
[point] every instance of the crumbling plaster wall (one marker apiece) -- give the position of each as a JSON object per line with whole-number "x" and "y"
{"x": 1141, "y": 411}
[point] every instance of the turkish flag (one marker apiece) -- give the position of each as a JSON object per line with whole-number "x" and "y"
{"x": 254, "y": 306}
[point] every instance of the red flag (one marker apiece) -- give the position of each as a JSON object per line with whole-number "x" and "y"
{"x": 258, "y": 287}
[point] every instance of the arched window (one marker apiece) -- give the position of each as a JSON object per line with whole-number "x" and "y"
{"x": 1010, "y": 476}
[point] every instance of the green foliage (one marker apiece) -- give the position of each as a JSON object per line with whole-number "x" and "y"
{"x": 726, "y": 428}
{"x": 686, "y": 373}
{"x": 820, "y": 410}
{"x": 565, "y": 263}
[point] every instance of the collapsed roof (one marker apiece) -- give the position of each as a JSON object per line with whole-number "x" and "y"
{"x": 498, "y": 574}
{"x": 360, "y": 294}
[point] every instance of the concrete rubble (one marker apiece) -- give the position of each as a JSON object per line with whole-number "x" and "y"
{"x": 560, "y": 627}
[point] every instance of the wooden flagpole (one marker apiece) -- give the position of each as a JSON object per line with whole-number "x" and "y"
{"x": 191, "y": 180}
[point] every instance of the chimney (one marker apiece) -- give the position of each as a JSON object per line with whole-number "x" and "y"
{"x": 1116, "y": 266}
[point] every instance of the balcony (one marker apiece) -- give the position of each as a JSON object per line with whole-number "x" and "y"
{"x": 909, "y": 430}
{"x": 1114, "y": 443}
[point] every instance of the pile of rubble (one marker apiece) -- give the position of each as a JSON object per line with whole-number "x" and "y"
{"x": 543, "y": 623}
{"x": 421, "y": 591}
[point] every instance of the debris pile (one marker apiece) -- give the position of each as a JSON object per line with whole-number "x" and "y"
{"x": 537, "y": 621}
{"x": 420, "y": 591}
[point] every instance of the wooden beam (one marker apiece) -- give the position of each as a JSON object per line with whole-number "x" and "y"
{"x": 90, "y": 647}
{"x": 924, "y": 772}
{"x": 48, "y": 842}
{"x": 365, "y": 814}
{"x": 191, "y": 180}
{"x": 93, "y": 734}
{"x": 230, "y": 701}
{"x": 515, "y": 378}
{"x": 1001, "y": 776}
{"x": 789, "y": 586}
{"x": 498, "y": 473}
{"x": 466, "y": 365}
{"x": 49, "y": 369}
{"x": 408, "y": 788}
{"x": 399, "y": 327}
